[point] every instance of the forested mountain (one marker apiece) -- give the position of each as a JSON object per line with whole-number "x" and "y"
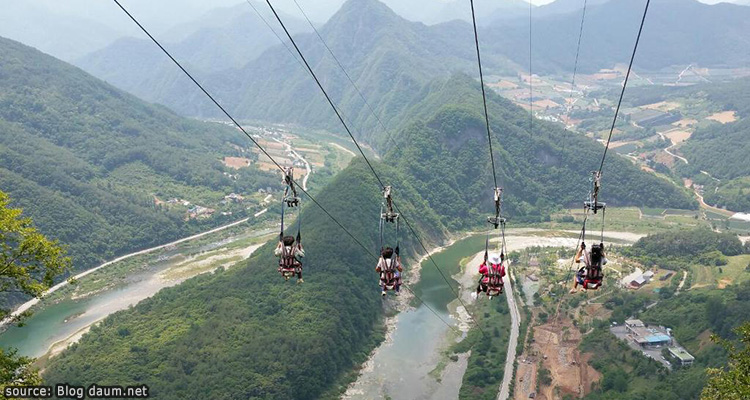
{"x": 224, "y": 39}
{"x": 198, "y": 338}
{"x": 722, "y": 149}
{"x": 85, "y": 160}
{"x": 716, "y": 152}
{"x": 389, "y": 57}
{"x": 65, "y": 36}
{"x": 73, "y": 28}
{"x": 243, "y": 333}
{"x": 445, "y": 149}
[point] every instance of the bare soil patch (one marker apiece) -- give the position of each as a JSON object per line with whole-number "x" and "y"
{"x": 678, "y": 136}
{"x": 557, "y": 345}
{"x": 723, "y": 117}
{"x": 664, "y": 158}
{"x": 237, "y": 162}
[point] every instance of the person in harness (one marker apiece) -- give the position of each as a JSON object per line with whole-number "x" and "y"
{"x": 492, "y": 272}
{"x": 580, "y": 277}
{"x": 389, "y": 268}
{"x": 290, "y": 256}
{"x": 593, "y": 261}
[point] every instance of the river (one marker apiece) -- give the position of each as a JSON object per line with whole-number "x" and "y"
{"x": 404, "y": 366}
{"x": 54, "y": 326}
{"x": 401, "y": 367}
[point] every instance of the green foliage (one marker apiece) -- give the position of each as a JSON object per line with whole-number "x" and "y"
{"x": 29, "y": 262}
{"x": 733, "y": 381}
{"x": 243, "y": 332}
{"x": 629, "y": 375}
{"x": 486, "y": 365}
{"x": 446, "y": 151}
{"x": 15, "y": 370}
{"x": 721, "y": 149}
{"x": 700, "y": 245}
{"x": 545, "y": 377}
{"x": 86, "y": 160}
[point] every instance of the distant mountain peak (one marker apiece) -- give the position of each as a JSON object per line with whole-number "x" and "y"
{"x": 372, "y": 12}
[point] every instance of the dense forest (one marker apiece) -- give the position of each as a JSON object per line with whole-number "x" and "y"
{"x": 248, "y": 308}
{"x": 708, "y": 148}
{"x": 85, "y": 160}
{"x": 446, "y": 151}
{"x": 676, "y": 248}
{"x": 243, "y": 332}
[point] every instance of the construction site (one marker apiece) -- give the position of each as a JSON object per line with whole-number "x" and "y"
{"x": 552, "y": 366}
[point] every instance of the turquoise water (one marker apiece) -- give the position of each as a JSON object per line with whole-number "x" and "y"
{"x": 59, "y": 321}
{"x": 401, "y": 367}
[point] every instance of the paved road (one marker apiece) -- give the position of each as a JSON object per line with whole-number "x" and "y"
{"x": 298, "y": 156}
{"x": 26, "y": 306}
{"x": 510, "y": 358}
{"x": 683, "y": 159}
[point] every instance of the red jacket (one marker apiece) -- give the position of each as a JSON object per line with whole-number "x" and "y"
{"x": 485, "y": 271}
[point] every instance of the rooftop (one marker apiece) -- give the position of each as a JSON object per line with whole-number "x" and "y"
{"x": 681, "y": 353}
{"x": 658, "y": 338}
{"x": 634, "y": 322}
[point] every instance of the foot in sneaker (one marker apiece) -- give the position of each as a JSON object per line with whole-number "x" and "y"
{"x": 474, "y": 295}
{"x": 300, "y": 280}
{"x": 383, "y": 293}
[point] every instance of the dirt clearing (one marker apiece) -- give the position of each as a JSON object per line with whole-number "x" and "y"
{"x": 723, "y": 117}
{"x": 557, "y": 346}
{"x": 237, "y": 162}
{"x": 678, "y": 136}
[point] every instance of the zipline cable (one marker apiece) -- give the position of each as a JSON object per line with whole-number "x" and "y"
{"x": 624, "y": 85}
{"x": 223, "y": 110}
{"x": 250, "y": 3}
{"x": 348, "y": 77}
{"x": 575, "y": 65}
{"x": 484, "y": 95}
{"x": 531, "y": 77}
{"x": 265, "y": 152}
{"x": 614, "y": 121}
{"x": 322, "y": 89}
{"x": 372, "y": 169}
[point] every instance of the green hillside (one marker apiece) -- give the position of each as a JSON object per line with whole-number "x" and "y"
{"x": 243, "y": 333}
{"x": 85, "y": 160}
{"x": 446, "y": 151}
{"x": 197, "y": 338}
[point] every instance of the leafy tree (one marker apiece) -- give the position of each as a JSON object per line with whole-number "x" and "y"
{"x": 16, "y": 370}
{"x": 29, "y": 262}
{"x": 732, "y": 382}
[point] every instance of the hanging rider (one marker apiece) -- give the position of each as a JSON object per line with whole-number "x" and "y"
{"x": 389, "y": 268}
{"x": 290, "y": 253}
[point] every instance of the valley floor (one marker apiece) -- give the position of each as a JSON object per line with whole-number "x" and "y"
{"x": 417, "y": 341}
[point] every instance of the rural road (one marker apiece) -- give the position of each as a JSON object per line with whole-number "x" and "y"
{"x": 683, "y": 159}
{"x": 26, "y": 306}
{"x": 515, "y": 319}
{"x": 682, "y": 283}
{"x": 298, "y": 156}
